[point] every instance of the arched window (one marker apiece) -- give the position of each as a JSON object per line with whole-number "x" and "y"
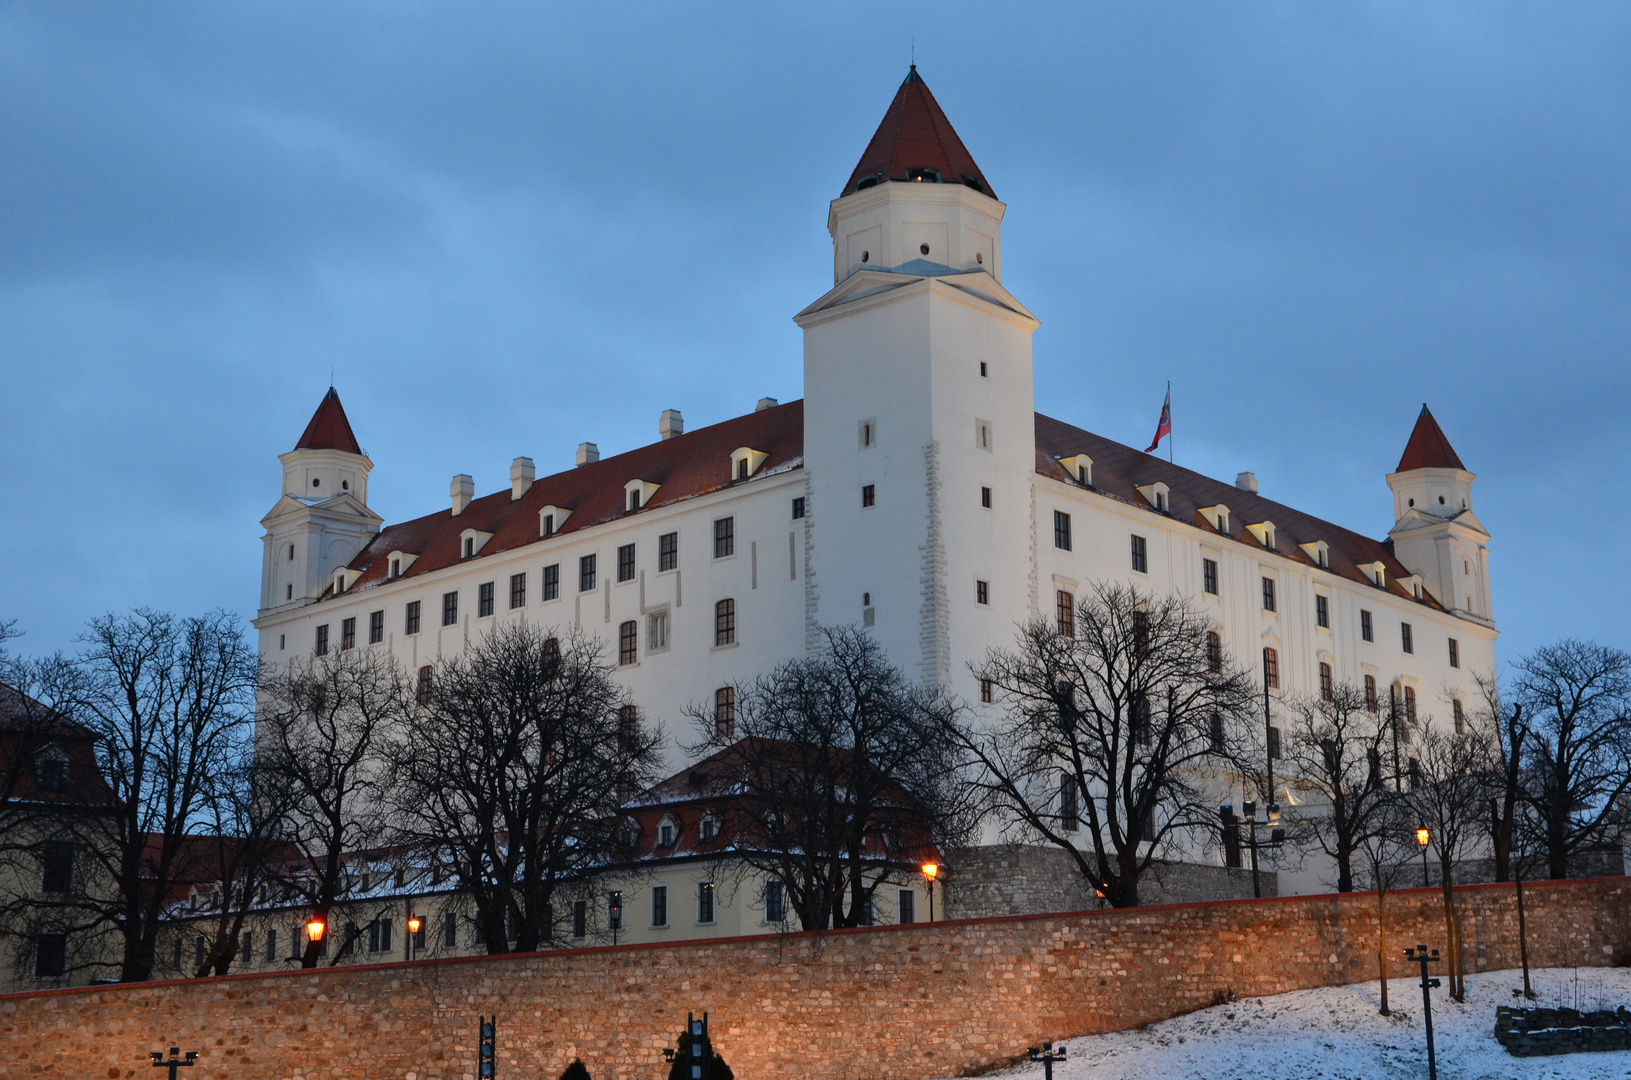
{"x": 1271, "y": 669}
{"x": 425, "y": 675}
{"x": 1214, "y": 652}
{"x": 628, "y": 640}
{"x": 725, "y": 712}
{"x": 725, "y": 623}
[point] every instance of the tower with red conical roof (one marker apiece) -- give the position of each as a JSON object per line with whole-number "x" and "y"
{"x": 321, "y": 520}
{"x": 1435, "y": 533}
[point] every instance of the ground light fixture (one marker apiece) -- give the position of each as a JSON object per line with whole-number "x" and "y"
{"x": 1271, "y": 820}
{"x": 931, "y": 871}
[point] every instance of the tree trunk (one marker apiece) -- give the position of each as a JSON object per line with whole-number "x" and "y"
{"x": 1381, "y": 945}
{"x": 1452, "y": 941}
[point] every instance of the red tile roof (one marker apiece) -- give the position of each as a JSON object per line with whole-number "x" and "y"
{"x": 1428, "y": 448}
{"x": 915, "y": 134}
{"x": 329, "y": 429}
{"x": 27, "y": 727}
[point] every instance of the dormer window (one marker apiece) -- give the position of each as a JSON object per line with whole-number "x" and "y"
{"x": 471, "y": 541}
{"x": 1264, "y": 532}
{"x": 923, "y": 175}
{"x": 667, "y": 833}
{"x": 399, "y": 563}
{"x": 1319, "y": 552}
{"x": 51, "y": 769}
{"x": 1376, "y": 572}
{"x": 469, "y": 547}
{"x": 1217, "y": 517}
{"x": 1412, "y": 585}
{"x": 1080, "y": 469}
{"x": 551, "y": 519}
{"x": 745, "y": 461}
{"x": 344, "y": 578}
{"x": 1157, "y": 495}
{"x": 396, "y": 568}
{"x": 638, "y": 493}
{"x": 710, "y": 829}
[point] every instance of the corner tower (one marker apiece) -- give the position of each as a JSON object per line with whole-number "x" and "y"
{"x": 1435, "y": 533}
{"x": 919, "y": 408}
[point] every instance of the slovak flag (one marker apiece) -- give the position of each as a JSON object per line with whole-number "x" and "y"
{"x": 1164, "y": 428}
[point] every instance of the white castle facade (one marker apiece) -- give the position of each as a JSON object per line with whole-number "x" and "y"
{"x": 914, "y": 490}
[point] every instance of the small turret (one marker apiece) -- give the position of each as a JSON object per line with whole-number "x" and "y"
{"x": 1435, "y": 533}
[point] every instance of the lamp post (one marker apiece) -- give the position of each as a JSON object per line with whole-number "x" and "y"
{"x": 1271, "y": 819}
{"x": 1423, "y": 838}
{"x": 930, "y": 872}
{"x": 698, "y": 1048}
{"x": 176, "y": 1061}
{"x": 315, "y": 929}
{"x": 414, "y": 924}
{"x": 1420, "y": 955}
{"x": 1047, "y": 1056}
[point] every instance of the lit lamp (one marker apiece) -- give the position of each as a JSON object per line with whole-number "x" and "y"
{"x": 414, "y": 923}
{"x": 315, "y": 928}
{"x": 1423, "y": 838}
{"x": 930, "y": 872}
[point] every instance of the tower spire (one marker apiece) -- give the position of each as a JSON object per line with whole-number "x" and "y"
{"x": 329, "y": 429}
{"x": 1428, "y": 448}
{"x": 915, "y": 142}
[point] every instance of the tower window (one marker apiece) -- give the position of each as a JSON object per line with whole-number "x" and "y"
{"x": 982, "y": 434}
{"x": 1460, "y": 716}
{"x": 1061, "y": 530}
{"x": 725, "y": 712}
{"x": 869, "y": 496}
{"x": 1455, "y": 653}
{"x": 315, "y": 482}
{"x": 985, "y": 497}
{"x": 291, "y": 553}
{"x": 982, "y": 592}
{"x": 1271, "y": 669}
{"x": 1141, "y": 555}
{"x": 668, "y": 551}
{"x": 985, "y": 691}
{"x": 923, "y": 248}
{"x": 1214, "y": 652}
{"x": 982, "y": 368}
{"x": 798, "y": 508}
{"x": 1370, "y": 693}
{"x": 1410, "y": 704}
{"x": 450, "y": 608}
{"x": 1325, "y": 681}
{"x": 725, "y": 623}
{"x": 869, "y": 433}
{"x": 1209, "y": 576}
{"x": 1065, "y": 611}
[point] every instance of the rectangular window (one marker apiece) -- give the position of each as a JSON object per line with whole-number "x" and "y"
{"x": 705, "y": 902}
{"x": 1069, "y": 816}
{"x": 1325, "y": 681}
{"x": 908, "y": 906}
{"x": 1370, "y": 693}
{"x": 869, "y": 496}
{"x": 1366, "y": 631}
{"x": 376, "y": 627}
{"x": 982, "y": 592}
{"x": 985, "y": 691}
{"x": 625, "y": 562}
{"x": 422, "y": 694}
{"x": 775, "y": 902}
{"x": 348, "y": 633}
{"x": 725, "y": 623}
{"x": 450, "y": 608}
{"x": 1274, "y": 742}
{"x": 1460, "y": 716}
{"x": 322, "y": 640}
{"x": 1322, "y": 612}
{"x": 725, "y": 712}
{"x": 798, "y": 507}
{"x": 518, "y": 591}
{"x": 628, "y": 728}
{"x": 246, "y": 947}
{"x": 1065, "y": 611}
{"x": 1216, "y": 738}
{"x": 657, "y": 631}
{"x": 484, "y": 599}
{"x": 1455, "y": 653}
{"x": 628, "y": 640}
{"x": 1061, "y": 530}
{"x": 450, "y": 929}
{"x": 668, "y": 551}
{"x": 1214, "y": 652}
{"x": 1141, "y": 555}
{"x": 552, "y": 582}
{"x": 57, "y": 866}
{"x": 51, "y": 956}
{"x": 580, "y": 918}
{"x": 379, "y": 936}
{"x": 271, "y": 946}
{"x": 586, "y": 573}
{"x": 659, "y": 905}
{"x": 1410, "y": 704}
{"x": 1406, "y": 639}
{"x": 1271, "y": 669}
{"x": 1231, "y": 841}
{"x": 1268, "y": 594}
{"x": 724, "y": 537}
{"x": 410, "y": 619}
{"x": 985, "y": 498}
{"x": 1209, "y": 575}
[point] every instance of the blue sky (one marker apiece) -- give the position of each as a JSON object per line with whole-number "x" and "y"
{"x": 506, "y": 229}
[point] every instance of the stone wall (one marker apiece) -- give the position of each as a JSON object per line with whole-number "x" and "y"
{"x": 906, "y": 1002}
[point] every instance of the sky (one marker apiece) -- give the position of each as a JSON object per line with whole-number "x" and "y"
{"x": 504, "y": 229}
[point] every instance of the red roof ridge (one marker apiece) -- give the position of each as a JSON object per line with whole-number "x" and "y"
{"x": 1428, "y": 448}
{"x": 915, "y": 134}
{"x": 329, "y": 429}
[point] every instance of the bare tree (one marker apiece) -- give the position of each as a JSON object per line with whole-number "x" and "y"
{"x": 517, "y": 770}
{"x": 1508, "y": 736}
{"x": 1383, "y": 853}
{"x": 246, "y": 811}
{"x": 1576, "y": 696}
{"x": 1110, "y": 731}
{"x": 321, "y": 739}
{"x": 846, "y": 772}
{"x": 1336, "y": 746}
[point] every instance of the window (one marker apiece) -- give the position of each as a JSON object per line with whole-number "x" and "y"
{"x": 1141, "y": 555}
{"x": 985, "y": 691}
{"x": 1406, "y": 640}
{"x": 1231, "y": 839}
{"x": 725, "y": 712}
{"x": 1366, "y": 630}
{"x": 668, "y": 551}
{"x": 659, "y": 901}
{"x": 709, "y": 830}
{"x": 982, "y": 592}
{"x": 1325, "y": 681}
{"x": 484, "y": 599}
{"x": 705, "y": 902}
{"x": 869, "y": 496}
{"x": 775, "y": 902}
{"x": 1370, "y": 693}
{"x": 1214, "y": 652}
{"x": 1322, "y": 611}
{"x": 1268, "y": 594}
{"x": 51, "y": 956}
{"x": 396, "y": 568}
{"x": 57, "y": 866}
{"x": 725, "y": 623}
{"x": 424, "y": 689}
{"x": 1460, "y": 716}
{"x": 547, "y": 526}
{"x": 656, "y": 631}
{"x": 291, "y": 553}
{"x": 982, "y": 369}
{"x": 271, "y": 946}
{"x": 450, "y": 608}
{"x": 1415, "y": 774}
{"x": 410, "y": 620}
{"x": 1410, "y": 704}
{"x": 51, "y": 769}
{"x": 1061, "y": 530}
{"x": 1455, "y": 653}
{"x": 868, "y": 433}
{"x": 518, "y": 591}
{"x": 666, "y": 834}
{"x": 552, "y": 657}
{"x": 614, "y": 910}
{"x": 379, "y": 936}
{"x": 628, "y": 728}
{"x": 798, "y": 508}
{"x": 322, "y": 640}
{"x": 586, "y": 573}
{"x": 1069, "y": 816}
{"x": 724, "y": 537}
{"x": 628, "y": 640}
{"x": 1065, "y": 605}
{"x": 908, "y": 906}
{"x": 469, "y": 546}
{"x": 1274, "y": 742}
{"x": 982, "y": 434}
{"x": 1209, "y": 576}
{"x": 348, "y": 633}
{"x": 625, "y": 562}
{"x": 1271, "y": 669}
{"x": 376, "y": 627}
{"x": 450, "y": 929}
{"x": 552, "y": 582}
{"x": 985, "y": 497}
{"x": 1215, "y": 736}
{"x": 1141, "y": 719}
{"x": 580, "y": 918}
{"x": 1141, "y": 633}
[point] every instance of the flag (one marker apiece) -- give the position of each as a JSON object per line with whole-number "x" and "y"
{"x": 1164, "y": 428}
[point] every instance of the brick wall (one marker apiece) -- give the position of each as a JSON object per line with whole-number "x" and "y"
{"x": 904, "y": 1002}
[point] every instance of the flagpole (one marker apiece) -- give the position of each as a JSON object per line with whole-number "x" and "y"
{"x": 1169, "y": 421}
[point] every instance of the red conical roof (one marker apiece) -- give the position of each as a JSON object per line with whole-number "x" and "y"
{"x": 914, "y": 135}
{"x": 1428, "y": 448}
{"x": 329, "y": 429}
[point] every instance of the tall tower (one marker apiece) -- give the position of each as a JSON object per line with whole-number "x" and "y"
{"x": 919, "y": 417}
{"x": 1435, "y": 533}
{"x": 322, "y": 520}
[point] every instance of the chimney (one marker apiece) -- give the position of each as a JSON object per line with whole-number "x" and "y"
{"x": 463, "y": 489}
{"x": 1247, "y": 482}
{"x": 588, "y": 452}
{"x": 522, "y": 475}
{"x": 670, "y": 424}
{"x": 765, "y": 403}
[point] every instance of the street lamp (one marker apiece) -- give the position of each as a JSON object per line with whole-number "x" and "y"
{"x": 1271, "y": 819}
{"x": 315, "y": 928}
{"x": 175, "y": 1062}
{"x": 1047, "y": 1056}
{"x": 930, "y": 872}
{"x": 414, "y": 924}
{"x": 1420, "y": 955}
{"x": 1423, "y": 838}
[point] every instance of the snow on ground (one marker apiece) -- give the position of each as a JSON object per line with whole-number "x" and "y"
{"x": 1335, "y": 1033}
